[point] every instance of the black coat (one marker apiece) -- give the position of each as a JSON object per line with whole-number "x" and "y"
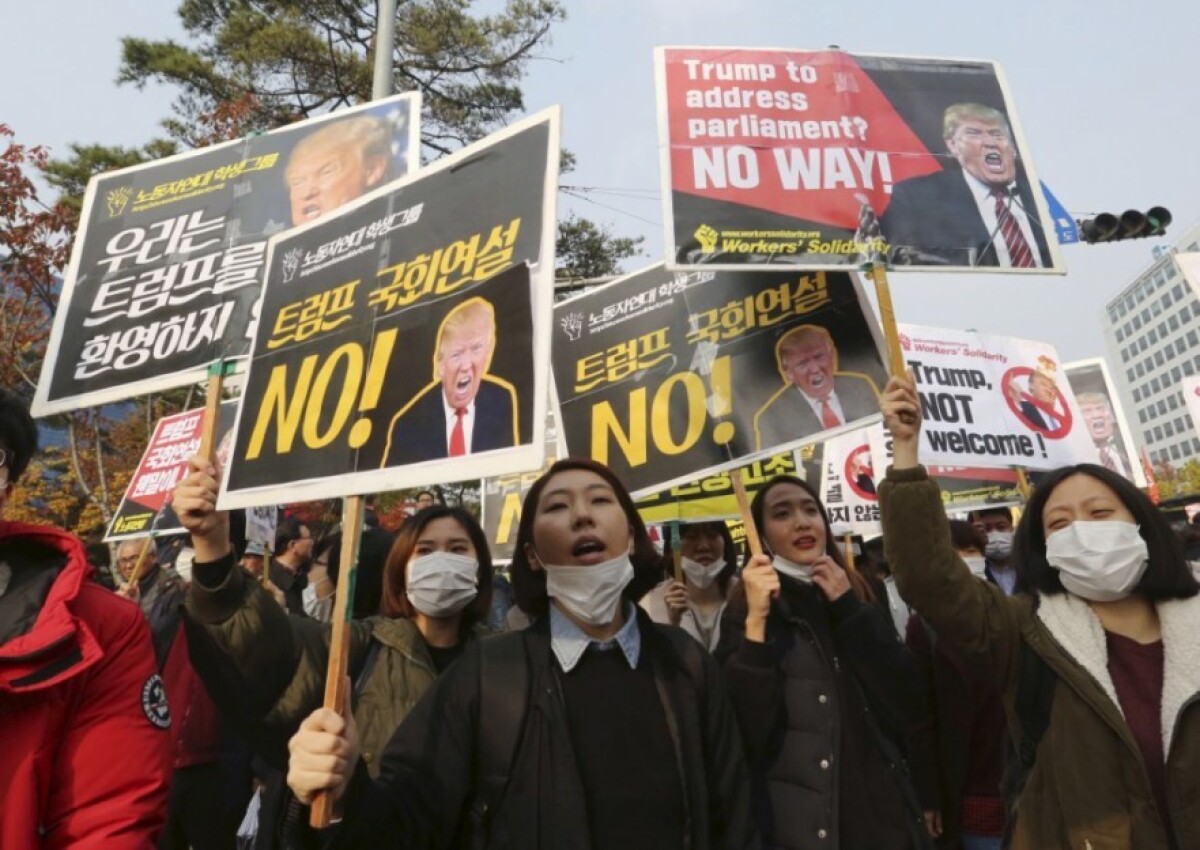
{"x": 428, "y": 781}
{"x": 936, "y": 216}
{"x": 831, "y": 690}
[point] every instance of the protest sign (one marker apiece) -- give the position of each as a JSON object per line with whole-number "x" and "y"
{"x": 1112, "y": 441}
{"x": 705, "y": 500}
{"x": 1191, "y": 397}
{"x": 848, "y": 477}
{"x": 712, "y": 498}
{"x": 501, "y": 499}
{"x": 261, "y": 523}
{"x": 993, "y": 401}
{"x": 166, "y": 270}
{"x": 666, "y": 377}
{"x": 398, "y": 338}
{"x": 164, "y": 464}
{"x": 769, "y": 155}
{"x": 963, "y": 488}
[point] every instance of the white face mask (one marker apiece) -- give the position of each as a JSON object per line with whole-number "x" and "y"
{"x": 183, "y": 564}
{"x": 701, "y": 575}
{"x": 976, "y": 563}
{"x": 800, "y": 572}
{"x": 999, "y": 545}
{"x": 441, "y": 584}
{"x": 1101, "y": 561}
{"x": 319, "y": 609}
{"x": 591, "y": 593}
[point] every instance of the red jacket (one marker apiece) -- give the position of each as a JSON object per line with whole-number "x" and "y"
{"x": 85, "y": 757}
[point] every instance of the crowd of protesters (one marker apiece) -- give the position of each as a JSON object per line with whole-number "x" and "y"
{"x": 958, "y": 684}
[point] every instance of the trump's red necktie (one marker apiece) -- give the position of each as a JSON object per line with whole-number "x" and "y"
{"x": 829, "y": 419}
{"x": 458, "y": 437}
{"x": 1018, "y": 249}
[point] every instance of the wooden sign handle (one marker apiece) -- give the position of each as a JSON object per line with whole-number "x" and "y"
{"x": 743, "y": 502}
{"x": 337, "y": 695}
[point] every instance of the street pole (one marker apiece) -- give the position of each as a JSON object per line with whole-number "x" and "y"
{"x": 385, "y": 39}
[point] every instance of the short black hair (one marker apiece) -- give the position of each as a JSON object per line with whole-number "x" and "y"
{"x": 285, "y": 532}
{"x": 1167, "y": 574}
{"x": 999, "y": 510}
{"x": 18, "y": 434}
{"x": 758, "y": 510}
{"x": 730, "y": 554}
{"x": 964, "y": 535}
{"x": 529, "y": 586}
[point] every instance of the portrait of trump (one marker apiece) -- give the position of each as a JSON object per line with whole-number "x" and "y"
{"x": 979, "y": 210}
{"x": 337, "y": 163}
{"x": 463, "y": 410}
{"x": 815, "y": 395}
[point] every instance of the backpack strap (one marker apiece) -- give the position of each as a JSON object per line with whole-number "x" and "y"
{"x": 503, "y": 701}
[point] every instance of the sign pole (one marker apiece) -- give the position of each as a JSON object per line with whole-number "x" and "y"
{"x": 743, "y": 502}
{"x": 1023, "y": 483}
{"x": 337, "y": 694}
{"x": 848, "y": 546}
{"x": 676, "y": 546}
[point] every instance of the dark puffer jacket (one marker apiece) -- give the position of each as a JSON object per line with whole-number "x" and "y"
{"x": 430, "y": 794}
{"x": 820, "y": 705}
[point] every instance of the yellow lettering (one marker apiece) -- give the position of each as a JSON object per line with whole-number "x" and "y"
{"x": 661, "y": 413}
{"x": 633, "y": 442}
{"x": 352, "y": 353}
{"x": 286, "y": 413}
{"x": 510, "y": 517}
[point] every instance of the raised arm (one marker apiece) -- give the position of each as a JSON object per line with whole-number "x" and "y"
{"x": 258, "y": 661}
{"x": 974, "y": 617}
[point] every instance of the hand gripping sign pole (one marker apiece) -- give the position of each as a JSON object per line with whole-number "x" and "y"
{"x": 337, "y": 691}
{"x": 337, "y": 694}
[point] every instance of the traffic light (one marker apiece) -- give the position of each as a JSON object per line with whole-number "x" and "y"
{"x": 1131, "y": 224}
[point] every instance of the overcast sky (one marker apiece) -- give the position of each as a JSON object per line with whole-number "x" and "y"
{"x": 1106, "y": 92}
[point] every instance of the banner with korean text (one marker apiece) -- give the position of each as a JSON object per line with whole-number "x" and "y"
{"x": 167, "y": 266}
{"x": 668, "y": 377}
{"x": 164, "y": 464}
{"x": 400, "y": 339}
{"x": 773, "y": 156}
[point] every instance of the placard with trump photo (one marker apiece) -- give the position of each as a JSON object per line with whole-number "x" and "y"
{"x": 671, "y": 376}
{"x": 399, "y": 339}
{"x": 993, "y": 401}
{"x": 1100, "y": 406}
{"x": 820, "y": 158}
{"x": 168, "y": 261}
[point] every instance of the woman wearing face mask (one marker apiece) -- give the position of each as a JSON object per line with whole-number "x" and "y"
{"x": 1103, "y": 624}
{"x": 266, "y": 669}
{"x": 822, "y": 687}
{"x": 696, "y": 605}
{"x": 594, "y": 728}
{"x": 959, "y": 745}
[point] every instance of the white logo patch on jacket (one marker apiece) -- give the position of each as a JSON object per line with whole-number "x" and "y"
{"x": 154, "y": 702}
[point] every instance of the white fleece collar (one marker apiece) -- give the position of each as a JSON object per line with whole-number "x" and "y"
{"x": 1078, "y": 630}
